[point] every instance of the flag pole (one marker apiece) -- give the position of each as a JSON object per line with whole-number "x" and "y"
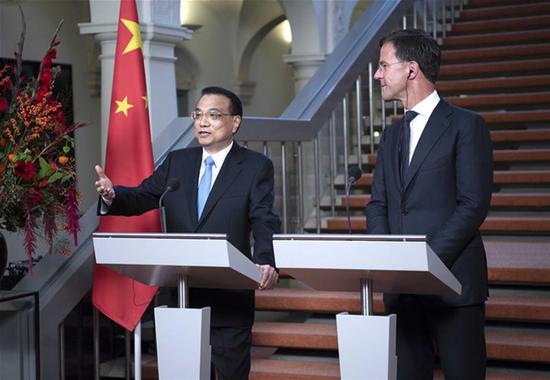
{"x": 137, "y": 351}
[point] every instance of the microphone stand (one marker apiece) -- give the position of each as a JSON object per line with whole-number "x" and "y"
{"x": 162, "y": 216}
{"x": 348, "y": 190}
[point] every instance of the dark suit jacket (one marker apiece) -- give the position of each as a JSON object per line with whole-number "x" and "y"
{"x": 240, "y": 202}
{"x": 446, "y": 195}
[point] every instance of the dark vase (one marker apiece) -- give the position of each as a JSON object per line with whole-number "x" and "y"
{"x": 3, "y": 255}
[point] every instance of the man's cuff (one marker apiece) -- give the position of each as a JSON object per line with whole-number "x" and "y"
{"x": 105, "y": 205}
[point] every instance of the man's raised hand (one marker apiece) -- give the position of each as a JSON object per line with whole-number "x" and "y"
{"x": 103, "y": 185}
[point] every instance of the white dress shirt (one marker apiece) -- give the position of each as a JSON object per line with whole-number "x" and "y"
{"x": 218, "y": 158}
{"x": 424, "y": 110}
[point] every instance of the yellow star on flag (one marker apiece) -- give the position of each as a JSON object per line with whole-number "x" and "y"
{"x": 135, "y": 41}
{"x": 146, "y": 101}
{"x": 123, "y": 106}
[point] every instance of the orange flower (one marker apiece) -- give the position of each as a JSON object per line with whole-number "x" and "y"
{"x": 62, "y": 160}
{"x": 43, "y": 183}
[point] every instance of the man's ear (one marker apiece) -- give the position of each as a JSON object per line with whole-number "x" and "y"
{"x": 413, "y": 70}
{"x": 236, "y": 123}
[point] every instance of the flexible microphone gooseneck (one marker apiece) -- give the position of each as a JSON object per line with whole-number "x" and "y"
{"x": 172, "y": 185}
{"x": 354, "y": 173}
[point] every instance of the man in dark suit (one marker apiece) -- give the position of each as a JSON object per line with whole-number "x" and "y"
{"x": 238, "y": 201}
{"x": 433, "y": 177}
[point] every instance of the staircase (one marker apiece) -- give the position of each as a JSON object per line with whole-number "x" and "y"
{"x": 496, "y": 61}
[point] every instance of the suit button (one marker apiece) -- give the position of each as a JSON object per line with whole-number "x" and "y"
{"x": 404, "y": 211}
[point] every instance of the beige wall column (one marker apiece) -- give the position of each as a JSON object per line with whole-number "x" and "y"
{"x": 305, "y": 66}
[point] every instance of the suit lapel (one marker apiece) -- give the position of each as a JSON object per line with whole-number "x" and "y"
{"x": 228, "y": 173}
{"x": 191, "y": 191}
{"x": 438, "y": 123}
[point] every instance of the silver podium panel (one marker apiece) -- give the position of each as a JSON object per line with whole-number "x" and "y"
{"x": 208, "y": 261}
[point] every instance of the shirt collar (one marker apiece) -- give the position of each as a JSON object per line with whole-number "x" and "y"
{"x": 427, "y": 105}
{"x": 218, "y": 157}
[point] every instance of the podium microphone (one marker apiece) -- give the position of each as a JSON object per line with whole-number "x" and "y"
{"x": 172, "y": 185}
{"x": 354, "y": 173}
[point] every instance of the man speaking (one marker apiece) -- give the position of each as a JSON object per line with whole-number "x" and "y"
{"x": 223, "y": 188}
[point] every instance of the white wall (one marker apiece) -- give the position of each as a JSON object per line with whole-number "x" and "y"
{"x": 274, "y": 78}
{"x": 216, "y": 48}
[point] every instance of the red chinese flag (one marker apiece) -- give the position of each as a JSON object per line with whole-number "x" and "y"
{"x": 129, "y": 159}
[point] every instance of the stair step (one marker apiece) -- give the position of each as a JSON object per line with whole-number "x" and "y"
{"x": 521, "y": 177}
{"x": 488, "y": 3}
{"x": 526, "y": 346}
{"x": 501, "y": 200}
{"x": 514, "y": 10}
{"x": 280, "y": 369}
{"x": 277, "y": 369}
{"x": 500, "y": 100}
{"x": 500, "y": 155}
{"x": 487, "y": 84}
{"x": 499, "y": 177}
{"x": 521, "y": 155}
{"x": 492, "y": 224}
{"x": 498, "y": 136}
{"x": 518, "y": 260}
{"x": 525, "y": 135}
{"x": 270, "y": 369}
{"x": 504, "y": 118}
{"x": 311, "y": 336}
{"x": 516, "y": 224}
{"x": 495, "y": 68}
{"x": 499, "y": 307}
{"x": 519, "y": 117}
{"x": 518, "y": 308}
{"x": 511, "y": 23}
{"x": 502, "y": 343}
{"x": 502, "y": 38}
{"x": 500, "y": 52}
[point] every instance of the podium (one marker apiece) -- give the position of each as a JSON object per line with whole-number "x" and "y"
{"x": 383, "y": 263}
{"x": 182, "y": 260}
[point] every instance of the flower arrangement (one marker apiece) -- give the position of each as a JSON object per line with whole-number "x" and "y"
{"x": 37, "y": 165}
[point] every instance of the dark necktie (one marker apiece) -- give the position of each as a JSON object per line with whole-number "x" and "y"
{"x": 406, "y": 142}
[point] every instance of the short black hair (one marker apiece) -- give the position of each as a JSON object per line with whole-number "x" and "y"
{"x": 416, "y": 45}
{"x": 235, "y": 104}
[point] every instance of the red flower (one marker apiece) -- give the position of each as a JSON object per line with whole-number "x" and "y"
{"x": 45, "y": 80}
{"x": 3, "y": 105}
{"x": 33, "y": 197}
{"x": 25, "y": 170}
{"x": 50, "y": 56}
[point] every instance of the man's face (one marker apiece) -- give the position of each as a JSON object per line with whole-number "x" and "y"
{"x": 392, "y": 74}
{"x": 214, "y": 126}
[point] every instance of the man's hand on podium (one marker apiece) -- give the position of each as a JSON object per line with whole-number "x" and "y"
{"x": 103, "y": 185}
{"x": 269, "y": 277}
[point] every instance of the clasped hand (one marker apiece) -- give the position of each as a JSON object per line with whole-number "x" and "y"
{"x": 269, "y": 277}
